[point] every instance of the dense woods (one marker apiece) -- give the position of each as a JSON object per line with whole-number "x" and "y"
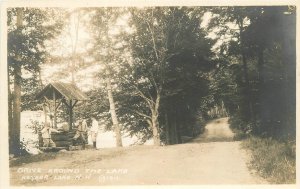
{"x": 261, "y": 70}
{"x": 159, "y": 72}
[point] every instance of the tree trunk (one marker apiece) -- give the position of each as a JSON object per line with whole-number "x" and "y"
{"x": 261, "y": 66}
{"x": 224, "y": 110}
{"x": 70, "y": 114}
{"x": 16, "y": 111}
{"x": 10, "y": 114}
{"x": 175, "y": 126}
{"x": 179, "y": 125}
{"x": 54, "y": 110}
{"x": 262, "y": 97}
{"x": 113, "y": 113}
{"x": 245, "y": 70}
{"x": 45, "y": 113}
{"x": 74, "y": 47}
{"x": 167, "y": 128}
{"x": 15, "y": 131}
{"x": 41, "y": 85}
{"x": 155, "y": 123}
{"x": 156, "y": 137}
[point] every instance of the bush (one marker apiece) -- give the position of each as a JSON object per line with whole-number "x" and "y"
{"x": 23, "y": 149}
{"x": 35, "y": 126}
{"x": 237, "y": 125}
{"x": 239, "y": 136}
{"x": 273, "y": 160}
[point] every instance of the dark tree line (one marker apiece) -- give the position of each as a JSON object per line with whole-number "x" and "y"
{"x": 260, "y": 69}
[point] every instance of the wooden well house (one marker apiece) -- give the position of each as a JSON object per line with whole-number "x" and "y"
{"x": 53, "y": 96}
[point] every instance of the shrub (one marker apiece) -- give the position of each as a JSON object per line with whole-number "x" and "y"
{"x": 239, "y": 136}
{"x": 273, "y": 160}
{"x": 36, "y": 126}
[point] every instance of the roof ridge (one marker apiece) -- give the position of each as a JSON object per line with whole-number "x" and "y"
{"x": 67, "y": 90}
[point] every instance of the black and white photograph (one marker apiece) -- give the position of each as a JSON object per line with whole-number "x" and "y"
{"x": 149, "y": 95}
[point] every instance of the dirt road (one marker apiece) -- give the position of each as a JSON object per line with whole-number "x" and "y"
{"x": 212, "y": 158}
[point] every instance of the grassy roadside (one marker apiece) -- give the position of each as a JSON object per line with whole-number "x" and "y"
{"x": 273, "y": 160}
{"x": 32, "y": 158}
{"x": 78, "y": 156}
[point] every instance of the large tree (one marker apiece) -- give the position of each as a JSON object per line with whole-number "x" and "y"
{"x": 28, "y": 29}
{"x": 168, "y": 48}
{"x": 102, "y": 23}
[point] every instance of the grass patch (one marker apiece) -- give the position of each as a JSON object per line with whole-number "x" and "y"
{"x": 273, "y": 160}
{"x": 32, "y": 158}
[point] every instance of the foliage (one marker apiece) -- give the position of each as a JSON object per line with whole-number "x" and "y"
{"x": 223, "y": 85}
{"x": 26, "y": 44}
{"x": 256, "y": 74}
{"x": 23, "y": 149}
{"x": 28, "y": 31}
{"x": 168, "y": 74}
{"x": 27, "y": 47}
{"x": 31, "y": 86}
{"x": 274, "y": 160}
{"x": 36, "y": 126}
{"x": 164, "y": 71}
{"x": 96, "y": 107}
{"x": 172, "y": 70}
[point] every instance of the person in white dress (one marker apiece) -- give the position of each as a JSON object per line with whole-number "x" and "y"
{"x": 94, "y": 131}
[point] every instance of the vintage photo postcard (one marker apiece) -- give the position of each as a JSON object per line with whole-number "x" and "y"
{"x": 149, "y": 93}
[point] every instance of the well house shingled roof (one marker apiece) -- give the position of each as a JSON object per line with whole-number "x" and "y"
{"x": 66, "y": 90}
